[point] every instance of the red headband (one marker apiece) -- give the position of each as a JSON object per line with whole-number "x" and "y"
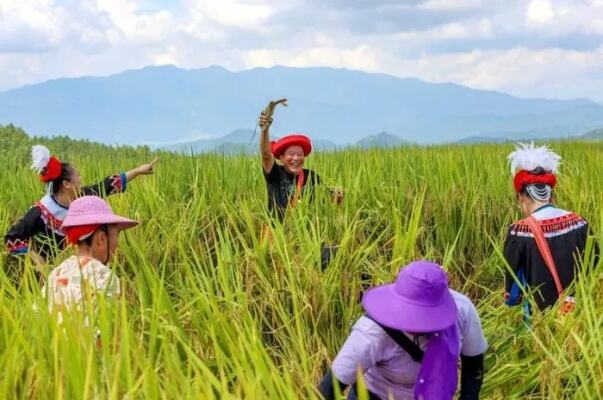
{"x": 75, "y": 234}
{"x": 52, "y": 170}
{"x": 523, "y": 178}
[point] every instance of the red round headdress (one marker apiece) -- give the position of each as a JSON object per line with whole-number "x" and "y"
{"x": 523, "y": 178}
{"x": 49, "y": 167}
{"x": 527, "y": 158}
{"x": 279, "y": 146}
{"x": 52, "y": 170}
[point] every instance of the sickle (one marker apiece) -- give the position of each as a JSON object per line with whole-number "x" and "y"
{"x": 269, "y": 110}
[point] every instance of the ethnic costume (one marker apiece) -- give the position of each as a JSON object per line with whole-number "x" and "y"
{"x": 565, "y": 233}
{"x": 41, "y": 227}
{"x": 284, "y": 188}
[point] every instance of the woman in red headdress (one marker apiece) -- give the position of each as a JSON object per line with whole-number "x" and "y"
{"x": 286, "y": 180}
{"x": 39, "y": 233}
{"x": 545, "y": 249}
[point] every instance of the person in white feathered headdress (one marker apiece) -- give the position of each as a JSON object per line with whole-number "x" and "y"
{"x": 535, "y": 175}
{"x": 544, "y": 249}
{"x": 40, "y": 232}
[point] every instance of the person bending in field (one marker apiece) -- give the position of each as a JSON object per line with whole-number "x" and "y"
{"x": 40, "y": 232}
{"x": 545, "y": 249}
{"x": 410, "y": 340}
{"x": 93, "y": 228}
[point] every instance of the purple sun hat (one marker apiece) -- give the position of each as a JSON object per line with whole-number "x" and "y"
{"x": 92, "y": 210}
{"x": 419, "y": 300}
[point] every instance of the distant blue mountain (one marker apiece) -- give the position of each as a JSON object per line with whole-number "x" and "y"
{"x": 380, "y": 140}
{"x": 595, "y": 134}
{"x": 168, "y": 104}
{"x": 239, "y": 141}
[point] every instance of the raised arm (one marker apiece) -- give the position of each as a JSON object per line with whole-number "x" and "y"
{"x": 117, "y": 183}
{"x": 265, "y": 122}
{"x": 144, "y": 169}
{"x": 265, "y": 150}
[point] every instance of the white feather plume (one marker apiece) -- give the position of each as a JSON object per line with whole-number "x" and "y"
{"x": 529, "y": 157}
{"x": 40, "y": 156}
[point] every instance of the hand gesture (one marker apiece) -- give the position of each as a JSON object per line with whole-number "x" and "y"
{"x": 147, "y": 169}
{"x": 265, "y": 121}
{"x": 337, "y": 195}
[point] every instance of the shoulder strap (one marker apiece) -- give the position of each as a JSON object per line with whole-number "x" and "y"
{"x": 413, "y": 350}
{"x": 301, "y": 179}
{"x": 545, "y": 251}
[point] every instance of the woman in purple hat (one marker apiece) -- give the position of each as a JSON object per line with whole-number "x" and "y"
{"x": 408, "y": 344}
{"x": 93, "y": 228}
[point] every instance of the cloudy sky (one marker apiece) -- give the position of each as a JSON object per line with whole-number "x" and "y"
{"x": 544, "y": 48}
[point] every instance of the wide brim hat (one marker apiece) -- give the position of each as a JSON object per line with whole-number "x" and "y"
{"x": 279, "y": 146}
{"x": 92, "y": 210}
{"x": 419, "y": 301}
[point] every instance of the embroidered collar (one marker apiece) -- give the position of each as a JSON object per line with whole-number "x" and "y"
{"x": 53, "y": 213}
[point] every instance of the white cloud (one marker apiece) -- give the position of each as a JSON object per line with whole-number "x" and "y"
{"x": 520, "y": 71}
{"x": 530, "y": 48}
{"x": 451, "y": 5}
{"x": 540, "y": 12}
{"x": 30, "y": 25}
{"x": 232, "y": 13}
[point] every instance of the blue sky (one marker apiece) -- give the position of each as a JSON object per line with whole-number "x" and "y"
{"x": 529, "y": 48}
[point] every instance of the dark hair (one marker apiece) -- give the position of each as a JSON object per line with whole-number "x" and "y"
{"x": 539, "y": 186}
{"x": 88, "y": 240}
{"x": 538, "y": 171}
{"x": 66, "y": 171}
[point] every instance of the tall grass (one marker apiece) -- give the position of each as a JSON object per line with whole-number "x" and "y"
{"x": 210, "y": 310}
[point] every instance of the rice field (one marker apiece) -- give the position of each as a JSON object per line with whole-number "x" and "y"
{"x": 210, "y": 310}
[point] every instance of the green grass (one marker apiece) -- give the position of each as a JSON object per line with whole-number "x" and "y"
{"x": 211, "y": 311}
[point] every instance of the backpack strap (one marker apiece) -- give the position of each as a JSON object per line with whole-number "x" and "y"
{"x": 413, "y": 350}
{"x": 545, "y": 251}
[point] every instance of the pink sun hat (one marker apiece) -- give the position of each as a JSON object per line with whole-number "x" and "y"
{"x": 92, "y": 210}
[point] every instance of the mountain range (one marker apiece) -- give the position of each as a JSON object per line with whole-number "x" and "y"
{"x": 168, "y": 106}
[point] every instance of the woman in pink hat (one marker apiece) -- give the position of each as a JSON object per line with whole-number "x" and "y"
{"x": 39, "y": 233}
{"x": 93, "y": 228}
{"x": 409, "y": 342}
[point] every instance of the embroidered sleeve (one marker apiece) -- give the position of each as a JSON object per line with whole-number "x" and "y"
{"x": 110, "y": 185}
{"x": 514, "y": 252}
{"x": 18, "y": 238}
